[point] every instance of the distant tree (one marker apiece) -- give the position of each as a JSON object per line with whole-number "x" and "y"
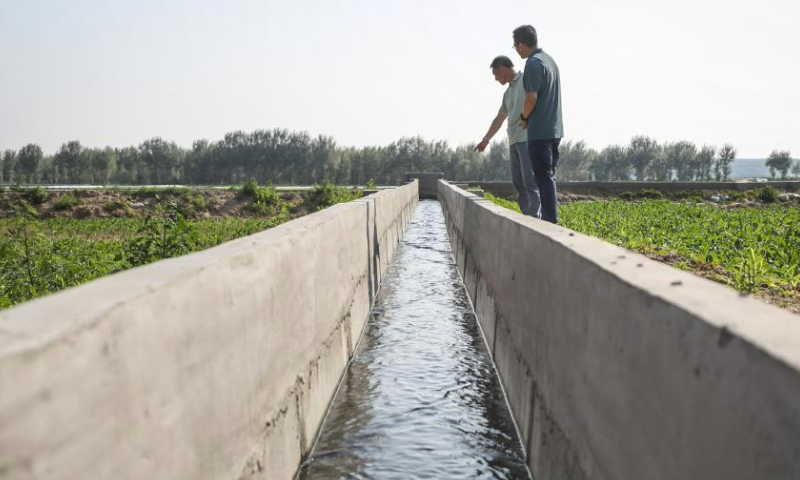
{"x": 642, "y": 151}
{"x": 366, "y": 163}
{"x": 705, "y": 162}
{"x": 103, "y": 163}
{"x": 9, "y": 162}
{"x": 464, "y": 163}
{"x": 600, "y": 169}
{"x": 681, "y": 159}
{"x": 67, "y": 162}
{"x": 796, "y": 169}
{"x": 127, "y": 171}
{"x": 161, "y": 159}
{"x": 414, "y": 154}
{"x": 660, "y": 169}
{"x": 620, "y": 168}
{"x": 47, "y": 170}
{"x": 779, "y": 161}
{"x": 28, "y": 160}
{"x": 322, "y": 159}
{"x": 282, "y": 152}
{"x": 497, "y": 166}
{"x": 723, "y": 164}
{"x": 611, "y": 163}
{"x": 198, "y": 164}
{"x": 575, "y": 161}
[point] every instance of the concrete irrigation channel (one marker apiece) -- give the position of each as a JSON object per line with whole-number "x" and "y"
{"x": 344, "y": 344}
{"x": 420, "y": 398}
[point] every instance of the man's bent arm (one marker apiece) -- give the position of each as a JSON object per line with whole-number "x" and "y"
{"x": 530, "y": 104}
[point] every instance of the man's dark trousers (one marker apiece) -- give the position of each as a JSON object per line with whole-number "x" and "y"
{"x": 544, "y": 158}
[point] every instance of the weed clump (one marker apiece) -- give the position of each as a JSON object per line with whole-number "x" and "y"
{"x": 66, "y": 202}
{"x": 164, "y": 234}
{"x": 265, "y": 195}
{"x": 26, "y": 209}
{"x": 327, "y": 193}
{"x": 35, "y": 195}
{"x": 116, "y": 206}
{"x": 736, "y": 195}
{"x": 198, "y": 201}
{"x": 750, "y": 273}
{"x": 264, "y": 198}
{"x": 768, "y": 194}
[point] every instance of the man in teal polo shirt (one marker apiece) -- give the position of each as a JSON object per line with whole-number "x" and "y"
{"x": 521, "y": 171}
{"x": 541, "y": 115}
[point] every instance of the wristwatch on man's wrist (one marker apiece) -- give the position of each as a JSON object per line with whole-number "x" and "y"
{"x": 522, "y": 117}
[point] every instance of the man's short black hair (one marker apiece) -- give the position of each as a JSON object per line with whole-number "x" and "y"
{"x": 501, "y": 61}
{"x": 526, "y": 34}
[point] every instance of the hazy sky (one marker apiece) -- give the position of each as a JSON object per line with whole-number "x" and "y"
{"x": 369, "y": 72}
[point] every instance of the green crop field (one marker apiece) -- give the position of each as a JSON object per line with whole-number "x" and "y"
{"x": 751, "y": 249}
{"x": 40, "y": 256}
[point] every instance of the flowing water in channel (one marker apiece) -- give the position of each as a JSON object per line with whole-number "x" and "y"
{"x": 421, "y": 398}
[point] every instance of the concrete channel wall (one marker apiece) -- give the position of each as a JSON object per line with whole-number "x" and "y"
{"x": 428, "y": 183}
{"x": 619, "y": 367}
{"x": 215, "y": 365}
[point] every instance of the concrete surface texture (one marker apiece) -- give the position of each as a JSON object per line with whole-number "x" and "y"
{"x": 618, "y": 367}
{"x": 215, "y": 365}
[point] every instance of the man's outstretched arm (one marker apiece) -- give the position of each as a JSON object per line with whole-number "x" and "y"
{"x": 493, "y": 128}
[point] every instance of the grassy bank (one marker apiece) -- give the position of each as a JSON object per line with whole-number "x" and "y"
{"x": 755, "y": 250}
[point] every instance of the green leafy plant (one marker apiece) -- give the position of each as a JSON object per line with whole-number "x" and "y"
{"x": 35, "y": 195}
{"x": 751, "y": 273}
{"x": 768, "y": 194}
{"x": 267, "y": 195}
{"x": 250, "y": 188}
{"x": 327, "y": 193}
{"x": 23, "y": 207}
{"x": 116, "y": 205}
{"x": 263, "y": 197}
{"x": 502, "y": 202}
{"x": 164, "y": 234}
{"x": 198, "y": 201}
{"x": 66, "y": 202}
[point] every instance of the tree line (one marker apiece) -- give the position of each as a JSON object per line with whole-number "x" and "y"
{"x": 644, "y": 159}
{"x": 295, "y": 158}
{"x": 278, "y": 156}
